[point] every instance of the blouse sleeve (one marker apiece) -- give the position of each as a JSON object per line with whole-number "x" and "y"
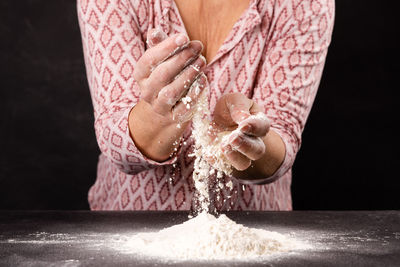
{"x": 291, "y": 69}
{"x": 112, "y": 45}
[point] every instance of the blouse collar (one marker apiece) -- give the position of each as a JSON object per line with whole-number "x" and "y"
{"x": 246, "y": 22}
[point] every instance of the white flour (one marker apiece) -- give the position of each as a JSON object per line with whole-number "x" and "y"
{"x": 206, "y": 237}
{"x": 204, "y": 149}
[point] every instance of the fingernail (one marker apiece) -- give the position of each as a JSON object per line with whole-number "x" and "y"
{"x": 200, "y": 62}
{"x": 198, "y": 66}
{"x": 227, "y": 149}
{"x": 202, "y": 79}
{"x": 246, "y": 128}
{"x": 232, "y": 136}
{"x": 196, "y": 47}
{"x": 181, "y": 39}
{"x": 237, "y": 141}
{"x": 157, "y": 35}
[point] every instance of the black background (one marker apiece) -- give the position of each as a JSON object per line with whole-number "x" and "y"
{"x": 349, "y": 158}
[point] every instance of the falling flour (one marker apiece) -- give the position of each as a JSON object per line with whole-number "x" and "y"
{"x": 206, "y": 149}
{"x": 206, "y": 237}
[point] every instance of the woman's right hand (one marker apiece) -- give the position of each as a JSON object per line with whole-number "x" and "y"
{"x": 164, "y": 73}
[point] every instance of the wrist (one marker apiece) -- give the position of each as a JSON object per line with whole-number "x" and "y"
{"x": 154, "y": 135}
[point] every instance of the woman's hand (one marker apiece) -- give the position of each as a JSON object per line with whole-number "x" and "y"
{"x": 245, "y": 144}
{"x": 164, "y": 73}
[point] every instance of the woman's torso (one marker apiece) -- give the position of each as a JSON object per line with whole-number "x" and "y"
{"x": 233, "y": 63}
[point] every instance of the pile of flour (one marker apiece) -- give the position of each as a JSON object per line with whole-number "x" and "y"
{"x": 206, "y": 237}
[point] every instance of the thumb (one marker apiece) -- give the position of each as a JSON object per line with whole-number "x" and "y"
{"x": 231, "y": 109}
{"x": 239, "y": 107}
{"x": 155, "y": 36}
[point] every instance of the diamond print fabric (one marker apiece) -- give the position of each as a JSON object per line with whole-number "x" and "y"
{"x": 274, "y": 54}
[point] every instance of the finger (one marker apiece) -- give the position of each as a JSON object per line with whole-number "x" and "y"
{"x": 153, "y": 56}
{"x": 255, "y": 125}
{"x": 155, "y": 36}
{"x": 165, "y": 72}
{"x": 251, "y": 147}
{"x": 183, "y": 111}
{"x": 239, "y": 161}
{"x": 173, "y": 92}
{"x": 255, "y": 108}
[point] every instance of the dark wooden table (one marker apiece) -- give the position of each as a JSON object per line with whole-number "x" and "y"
{"x": 84, "y": 238}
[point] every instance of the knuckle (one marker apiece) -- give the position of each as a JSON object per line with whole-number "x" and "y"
{"x": 163, "y": 75}
{"x": 164, "y": 95}
{"x": 173, "y": 96}
{"x": 185, "y": 55}
{"x": 179, "y": 113}
{"x": 145, "y": 85}
{"x": 150, "y": 59}
{"x": 146, "y": 96}
{"x": 158, "y": 109}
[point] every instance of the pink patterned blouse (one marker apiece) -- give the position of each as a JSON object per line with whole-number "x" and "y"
{"x": 274, "y": 54}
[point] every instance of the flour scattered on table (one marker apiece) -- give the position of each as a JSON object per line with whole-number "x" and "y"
{"x": 206, "y": 237}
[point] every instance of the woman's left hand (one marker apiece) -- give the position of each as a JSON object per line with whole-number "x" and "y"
{"x": 249, "y": 125}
